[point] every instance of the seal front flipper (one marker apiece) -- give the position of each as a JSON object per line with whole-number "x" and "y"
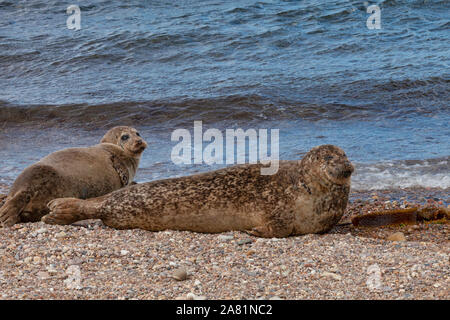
{"x": 13, "y": 207}
{"x": 269, "y": 231}
{"x": 278, "y": 225}
{"x": 261, "y": 231}
{"x": 68, "y": 210}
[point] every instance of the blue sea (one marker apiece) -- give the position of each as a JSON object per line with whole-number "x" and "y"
{"x": 312, "y": 69}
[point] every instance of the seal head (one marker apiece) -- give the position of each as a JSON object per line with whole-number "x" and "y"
{"x": 127, "y": 138}
{"x": 75, "y": 172}
{"x": 328, "y": 164}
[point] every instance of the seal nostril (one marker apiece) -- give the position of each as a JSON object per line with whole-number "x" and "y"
{"x": 347, "y": 173}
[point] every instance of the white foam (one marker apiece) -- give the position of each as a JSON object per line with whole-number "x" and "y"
{"x": 432, "y": 173}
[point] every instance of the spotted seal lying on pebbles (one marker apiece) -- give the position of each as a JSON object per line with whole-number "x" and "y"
{"x": 74, "y": 172}
{"x": 305, "y": 196}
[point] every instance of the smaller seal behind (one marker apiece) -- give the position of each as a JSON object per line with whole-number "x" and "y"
{"x": 75, "y": 172}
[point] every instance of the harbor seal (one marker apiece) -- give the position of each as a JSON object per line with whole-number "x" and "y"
{"x": 305, "y": 196}
{"x": 75, "y": 172}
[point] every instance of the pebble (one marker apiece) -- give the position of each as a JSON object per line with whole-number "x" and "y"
{"x": 244, "y": 241}
{"x": 37, "y": 260}
{"x": 61, "y": 234}
{"x": 43, "y": 275}
{"x": 180, "y": 274}
{"x": 224, "y": 237}
{"x": 192, "y": 296}
{"x": 51, "y": 269}
{"x": 397, "y": 236}
{"x": 75, "y": 261}
{"x": 124, "y": 252}
{"x": 332, "y": 275}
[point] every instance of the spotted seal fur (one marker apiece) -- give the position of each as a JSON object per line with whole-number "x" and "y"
{"x": 305, "y": 196}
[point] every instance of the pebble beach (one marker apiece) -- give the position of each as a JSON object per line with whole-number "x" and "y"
{"x": 88, "y": 260}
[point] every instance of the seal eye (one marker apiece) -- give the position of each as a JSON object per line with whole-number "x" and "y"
{"x": 137, "y": 133}
{"x": 125, "y": 137}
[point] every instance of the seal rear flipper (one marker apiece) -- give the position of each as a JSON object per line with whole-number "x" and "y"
{"x": 13, "y": 207}
{"x": 67, "y": 211}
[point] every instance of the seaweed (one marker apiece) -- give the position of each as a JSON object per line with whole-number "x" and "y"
{"x": 402, "y": 216}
